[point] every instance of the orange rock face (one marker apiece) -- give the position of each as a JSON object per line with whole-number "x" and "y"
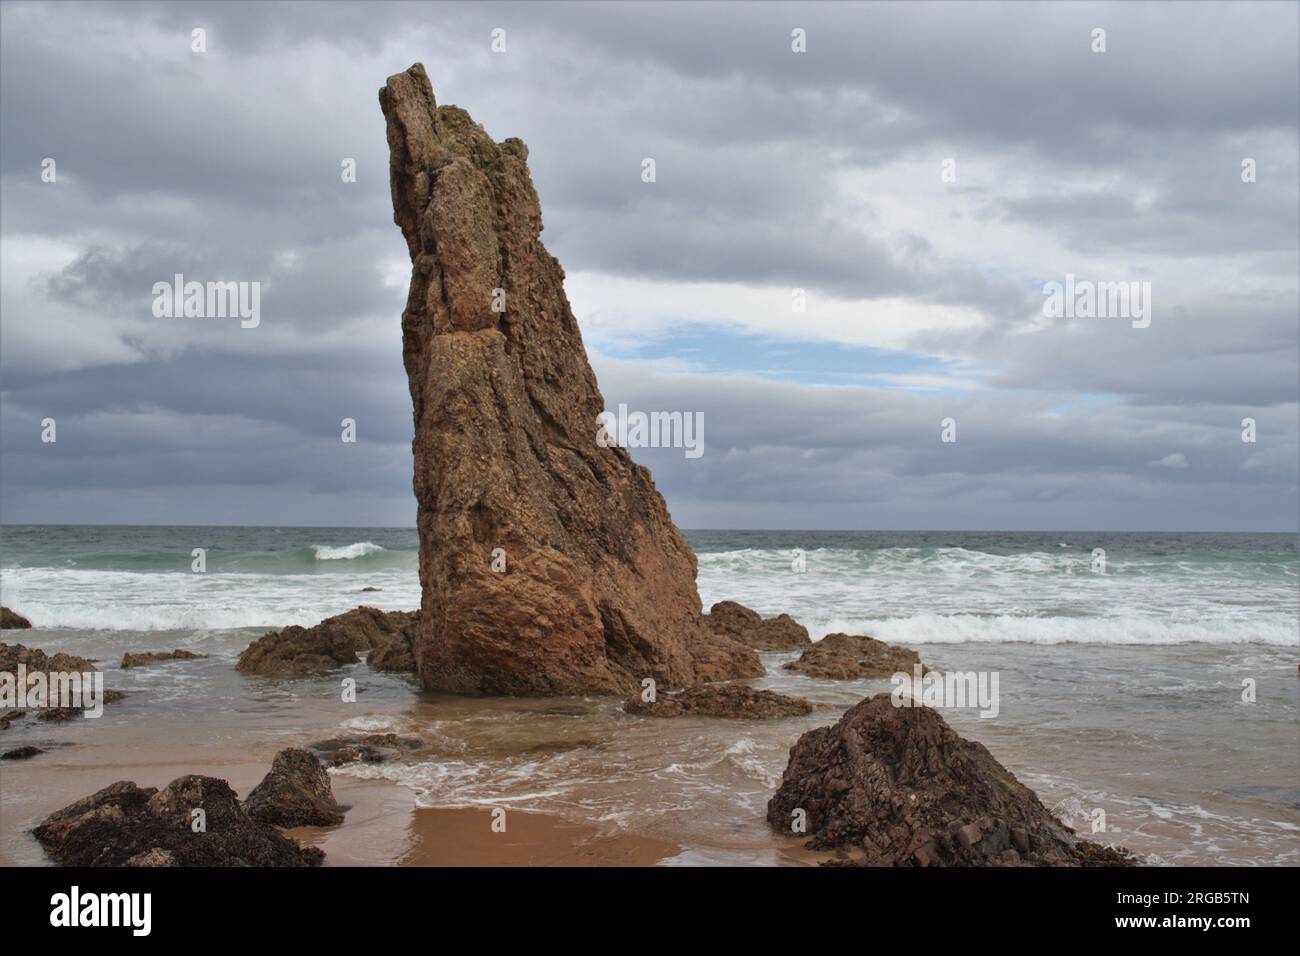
{"x": 548, "y": 564}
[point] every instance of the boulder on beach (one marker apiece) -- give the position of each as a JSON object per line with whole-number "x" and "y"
{"x": 149, "y": 657}
{"x": 720, "y": 700}
{"x": 896, "y": 786}
{"x": 12, "y": 619}
{"x": 296, "y": 793}
{"x": 334, "y": 642}
{"x": 548, "y": 560}
{"x": 734, "y": 620}
{"x": 853, "y": 656}
{"x": 126, "y": 825}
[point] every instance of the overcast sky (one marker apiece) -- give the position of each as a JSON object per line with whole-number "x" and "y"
{"x": 775, "y": 170}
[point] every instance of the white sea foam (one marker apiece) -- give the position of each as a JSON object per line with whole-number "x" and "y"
{"x": 962, "y": 629}
{"x": 142, "y": 601}
{"x": 958, "y": 595}
{"x": 900, "y": 594}
{"x": 346, "y": 552}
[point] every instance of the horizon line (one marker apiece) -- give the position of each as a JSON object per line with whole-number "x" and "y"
{"x": 359, "y": 527}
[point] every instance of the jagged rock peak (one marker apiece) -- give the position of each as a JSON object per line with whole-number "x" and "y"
{"x": 548, "y": 564}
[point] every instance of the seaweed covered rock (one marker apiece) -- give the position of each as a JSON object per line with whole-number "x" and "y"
{"x": 734, "y": 620}
{"x": 720, "y": 700}
{"x": 896, "y": 786}
{"x": 296, "y": 793}
{"x": 126, "y": 825}
{"x": 851, "y": 656}
{"x": 548, "y": 561}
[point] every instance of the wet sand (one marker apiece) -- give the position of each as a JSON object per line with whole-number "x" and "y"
{"x": 384, "y": 827}
{"x": 465, "y": 838}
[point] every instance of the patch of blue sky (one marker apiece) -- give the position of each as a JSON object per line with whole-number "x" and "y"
{"x": 726, "y": 351}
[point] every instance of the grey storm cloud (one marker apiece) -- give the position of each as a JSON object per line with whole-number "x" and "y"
{"x": 774, "y": 171}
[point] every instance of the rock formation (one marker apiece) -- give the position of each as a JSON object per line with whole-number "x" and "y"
{"x": 549, "y": 564}
{"x": 296, "y": 793}
{"x": 126, "y": 825}
{"x": 34, "y": 659}
{"x": 12, "y": 619}
{"x": 897, "y": 786}
{"x": 780, "y": 633}
{"x": 51, "y": 706}
{"x": 142, "y": 658}
{"x": 852, "y": 656}
{"x": 334, "y": 642}
{"x": 721, "y": 700}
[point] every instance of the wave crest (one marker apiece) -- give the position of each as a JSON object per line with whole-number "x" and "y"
{"x": 347, "y": 552}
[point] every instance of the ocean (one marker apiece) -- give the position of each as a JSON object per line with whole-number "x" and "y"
{"x": 1124, "y": 664}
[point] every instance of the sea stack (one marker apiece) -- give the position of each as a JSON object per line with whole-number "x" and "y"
{"x": 548, "y": 564}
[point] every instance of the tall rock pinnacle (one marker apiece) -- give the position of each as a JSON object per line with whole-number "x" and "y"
{"x": 593, "y": 587}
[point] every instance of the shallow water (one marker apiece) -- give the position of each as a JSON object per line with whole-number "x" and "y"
{"x": 1120, "y": 694}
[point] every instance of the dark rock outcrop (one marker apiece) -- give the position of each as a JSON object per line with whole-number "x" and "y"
{"x": 332, "y": 643}
{"x": 126, "y": 825}
{"x": 21, "y": 753}
{"x": 720, "y": 700}
{"x": 896, "y": 786}
{"x": 296, "y": 793}
{"x": 12, "y": 619}
{"x": 780, "y": 633}
{"x": 850, "y": 656}
{"x": 149, "y": 657}
{"x": 549, "y": 564}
